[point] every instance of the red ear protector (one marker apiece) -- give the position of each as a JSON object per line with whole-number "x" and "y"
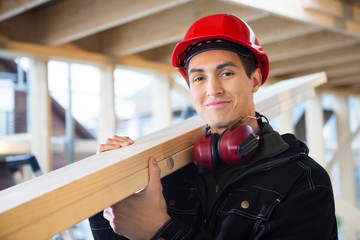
{"x": 235, "y": 145}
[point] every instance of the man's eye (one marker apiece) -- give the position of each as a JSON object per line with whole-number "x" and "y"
{"x": 227, "y": 74}
{"x": 198, "y": 79}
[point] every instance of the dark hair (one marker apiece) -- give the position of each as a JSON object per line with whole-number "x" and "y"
{"x": 249, "y": 63}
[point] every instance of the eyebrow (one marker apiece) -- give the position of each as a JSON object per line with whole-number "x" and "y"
{"x": 221, "y": 66}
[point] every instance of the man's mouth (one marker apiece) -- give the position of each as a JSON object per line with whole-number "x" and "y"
{"x": 217, "y": 104}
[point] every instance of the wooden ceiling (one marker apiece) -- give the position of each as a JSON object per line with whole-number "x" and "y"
{"x": 300, "y": 36}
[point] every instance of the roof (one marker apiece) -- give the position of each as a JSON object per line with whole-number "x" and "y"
{"x": 300, "y": 36}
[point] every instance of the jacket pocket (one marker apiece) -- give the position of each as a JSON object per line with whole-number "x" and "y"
{"x": 251, "y": 202}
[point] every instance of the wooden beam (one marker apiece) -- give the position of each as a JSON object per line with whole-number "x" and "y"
{"x": 71, "y": 20}
{"x": 315, "y": 61}
{"x": 10, "y": 48}
{"x": 346, "y": 165}
{"x": 332, "y": 72}
{"x": 314, "y": 122}
{"x": 17, "y": 144}
{"x": 274, "y": 28}
{"x": 182, "y": 91}
{"x": 20, "y": 144}
{"x": 161, "y": 104}
{"x": 40, "y": 113}
{"x": 66, "y": 21}
{"x": 334, "y": 8}
{"x": 352, "y": 68}
{"x": 137, "y": 62}
{"x": 344, "y": 80}
{"x": 284, "y": 123}
{"x": 11, "y": 8}
{"x": 168, "y": 27}
{"x": 338, "y": 155}
{"x": 295, "y": 10}
{"x": 312, "y": 43}
{"x": 79, "y": 190}
{"x": 296, "y": 92}
{"x": 107, "y": 117}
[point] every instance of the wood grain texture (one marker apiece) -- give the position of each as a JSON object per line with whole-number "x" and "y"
{"x": 51, "y": 203}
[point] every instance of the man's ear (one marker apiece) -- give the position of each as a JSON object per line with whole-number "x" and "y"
{"x": 256, "y": 78}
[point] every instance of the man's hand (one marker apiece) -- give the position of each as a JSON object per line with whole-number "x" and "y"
{"x": 141, "y": 215}
{"x": 114, "y": 143}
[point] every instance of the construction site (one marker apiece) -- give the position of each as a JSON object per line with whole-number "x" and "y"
{"x": 76, "y": 72}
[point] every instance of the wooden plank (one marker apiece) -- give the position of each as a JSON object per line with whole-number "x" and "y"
{"x": 346, "y": 165}
{"x": 284, "y": 123}
{"x": 79, "y": 190}
{"x": 275, "y": 28}
{"x": 309, "y": 44}
{"x": 334, "y": 57}
{"x": 11, "y": 8}
{"x": 129, "y": 38}
{"x": 297, "y": 90}
{"x": 339, "y": 155}
{"x": 314, "y": 122}
{"x": 295, "y": 10}
{"x": 107, "y": 117}
{"x": 11, "y": 48}
{"x": 81, "y": 183}
{"x": 162, "y": 114}
{"x": 40, "y": 113}
{"x": 71, "y": 20}
{"x": 335, "y": 8}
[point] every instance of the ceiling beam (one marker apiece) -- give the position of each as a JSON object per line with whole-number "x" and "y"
{"x": 332, "y": 72}
{"x": 307, "y": 44}
{"x": 12, "y": 49}
{"x": 11, "y": 8}
{"x": 296, "y": 10}
{"x": 66, "y": 21}
{"x": 315, "y": 61}
{"x": 344, "y": 81}
{"x": 335, "y": 8}
{"x": 165, "y": 28}
{"x": 71, "y": 20}
{"x": 274, "y": 28}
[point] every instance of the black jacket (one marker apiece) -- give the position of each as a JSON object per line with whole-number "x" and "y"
{"x": 280, "y": 194}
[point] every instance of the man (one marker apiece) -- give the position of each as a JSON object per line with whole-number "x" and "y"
{"x": 269, "y": 188}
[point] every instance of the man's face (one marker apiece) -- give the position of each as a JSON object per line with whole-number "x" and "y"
{"x": 222, "y": 93}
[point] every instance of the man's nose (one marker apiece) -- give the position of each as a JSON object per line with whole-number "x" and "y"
{"x": 214, "y": 86}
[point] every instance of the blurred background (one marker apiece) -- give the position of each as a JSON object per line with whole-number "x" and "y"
{"x": 73, "y": 73}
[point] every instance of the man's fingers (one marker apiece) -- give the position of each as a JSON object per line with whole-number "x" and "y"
{"x": 114, "y": 143}
{"x": 107, "y": 147}
{"x": 154, "y": 174}
{"x": 123, "y": 139}
{"x": 108, "y": 213}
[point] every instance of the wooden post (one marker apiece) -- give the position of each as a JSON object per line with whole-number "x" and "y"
{"x": 347, "y": 178}
{"x": 314, "y": 122}
{"x": 40, "y": 113}
{"x": 162, "y": 113}
{"x": 69, "y": 121}
{"x": 284, "y": 123}
{"x": 107, "y": 119}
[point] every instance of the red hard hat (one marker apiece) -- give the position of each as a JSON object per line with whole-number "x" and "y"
{"x": 224, "y": 27}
